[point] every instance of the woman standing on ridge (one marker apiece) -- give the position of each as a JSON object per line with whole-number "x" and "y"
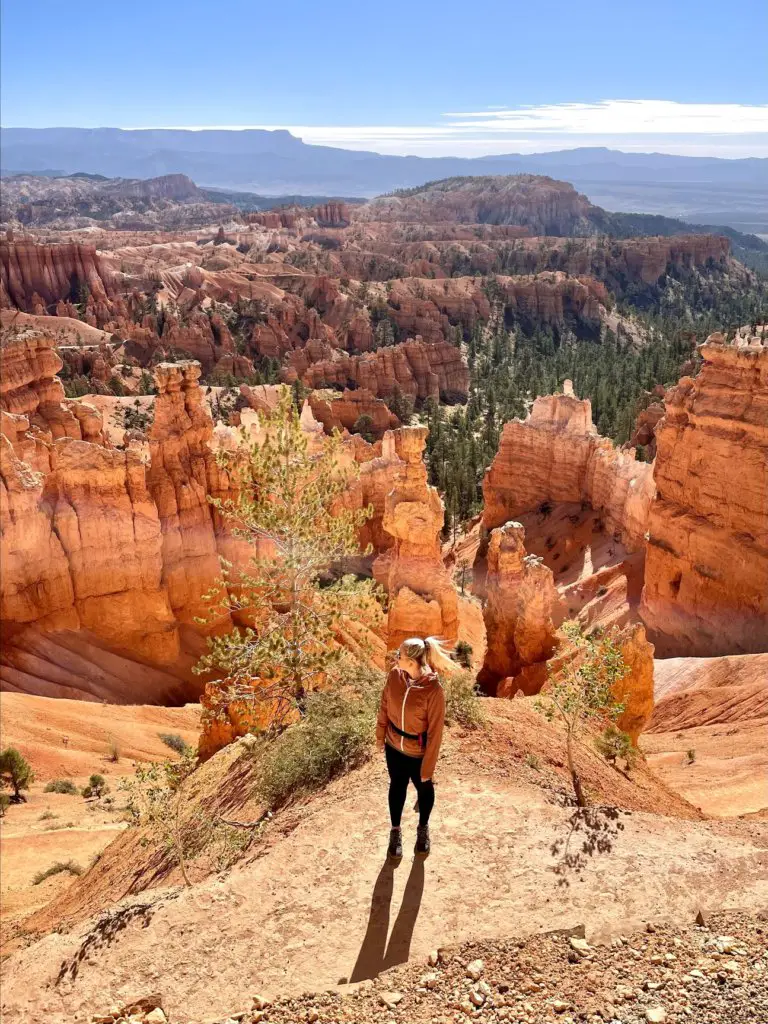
{"x": 409, "y": 729}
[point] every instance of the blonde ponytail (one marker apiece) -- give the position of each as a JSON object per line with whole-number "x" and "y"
{"x": 429, "y": 653}
{"x": 437, "y": 657}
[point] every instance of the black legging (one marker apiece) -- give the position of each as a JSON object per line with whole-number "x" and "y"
{"x": 403, "y": 769}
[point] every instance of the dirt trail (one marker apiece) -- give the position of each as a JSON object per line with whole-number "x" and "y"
{"x": 320, "y": 907}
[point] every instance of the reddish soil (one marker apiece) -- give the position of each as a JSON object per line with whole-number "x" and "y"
{"x": 69, "y": 739}
{"x": 707, "y": 736}
{"x": 728, "y": 775}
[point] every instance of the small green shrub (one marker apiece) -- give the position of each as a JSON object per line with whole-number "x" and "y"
{"x": 97, "y": 786}
{"x": 175, "y": 742}
{"x": 613, "y": 743}
{"x": 335, "y": 735}
{"x": 363, "y": 425}
{"x": 463, "y": 704}
{"x": 533, "y": 761}
{"x": 691, "y": 756}
{"x": 56, "y": 869}
{"x": 47, "y": 816}
{"x": 464, "y": 654}
{"x": 66, "y": 786}
{"x": 113, "y": 750}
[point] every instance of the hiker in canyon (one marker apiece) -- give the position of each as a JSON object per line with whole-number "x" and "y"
{"x": 409, "y": 730}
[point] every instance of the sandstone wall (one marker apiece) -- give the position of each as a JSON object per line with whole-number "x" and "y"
{"x": 107, "y": 551}
{"x": 521, "y": 614}
{"x": 525, "y": 649}
{"x": 81, "y": 536}
{"x": 419, "y": 369}
{"x": 33, "y": 276}
{"x": 706, "y": 573}
{"x": 543, "y": 205}
{"x": 113, "y": 545}
{"x": 556, "y": 455}
{"x": 342, "y": 413}
{"x": 422, "y": 597}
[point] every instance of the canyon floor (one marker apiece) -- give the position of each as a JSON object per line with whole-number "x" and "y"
{"x": 314, "y": 905}
{"x": 71, "y": 739}
{"x": 726, "y": 772}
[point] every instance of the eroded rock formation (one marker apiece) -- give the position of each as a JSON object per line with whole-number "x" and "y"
{"x": 706, "y": 574}
{"x": 116, "y": 545}
{"x": 34, "y": 277}
{"x": 556, "y": 455}
{"x": 343, "y": 412}
{"x": 417, "y": 368}
{"x": 541, "y": 204}
{"x": 181, "y": 474}
{"x": 635, "y": 689}
{"x": 521, "y": 613}
{"x": 333, "y": 214}
{"x": 422, "y": 597}
{"x": 81, "y": 537}
{"x": 644, "y": 434}
{"x": 524, "y": 646}
{"x": 108, "y": 549}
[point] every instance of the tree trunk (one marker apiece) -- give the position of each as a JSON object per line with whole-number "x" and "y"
{"x": 575, "y": 780}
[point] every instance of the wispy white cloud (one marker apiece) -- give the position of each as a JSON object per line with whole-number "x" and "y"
{"x": 715, "y": 129}
{"x": 621, "y": 117}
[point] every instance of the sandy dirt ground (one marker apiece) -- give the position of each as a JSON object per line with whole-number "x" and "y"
{"x": 304, "y": 912}
{"x": 68, "y": 739}
{"x": 727, "y": 772}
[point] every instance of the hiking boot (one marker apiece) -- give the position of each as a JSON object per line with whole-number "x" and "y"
{"x": 422, "y": 840}
{"x": 395, "y": 848}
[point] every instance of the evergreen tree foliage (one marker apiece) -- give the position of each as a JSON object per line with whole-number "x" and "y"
{"x": 294, "y": 594}
{"x": 581, "y": 691}
{"x": 15, "y": 773}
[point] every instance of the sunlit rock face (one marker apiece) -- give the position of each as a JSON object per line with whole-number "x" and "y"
{"x": 422, "y": 597}
{"x": 521, "y": 613}
{"x": 706, "y": 575}
{"x": 108, "y": 545}
{"x": 109, "y": 548}
{"x": 417, "y": 368}
{"x": 556, "y": 455}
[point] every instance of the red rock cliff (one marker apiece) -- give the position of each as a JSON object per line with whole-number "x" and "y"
{"x": 706, "y": 570}
{"x": 104, "y": 545}
{"x": 419, "y": 369}
{"x": 107, "y": 552}
{"x": 34, "y": 277}
{"x": 423, "y": 599}
{"x": 556, "y": 455}
{"x": 81, "y": 538}
{"x": 521, "y": 613}
{"x": 543, "y": 205}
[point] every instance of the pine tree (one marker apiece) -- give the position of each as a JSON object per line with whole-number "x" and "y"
{"x": 16, "y": 773}
{"x": 582, "y": 691}
{"x": 292, "y": 593}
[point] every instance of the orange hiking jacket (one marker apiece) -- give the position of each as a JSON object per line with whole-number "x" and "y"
{"x": 415, "y": 706}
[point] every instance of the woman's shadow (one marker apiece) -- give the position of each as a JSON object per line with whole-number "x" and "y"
{"x": 376, "y": 955}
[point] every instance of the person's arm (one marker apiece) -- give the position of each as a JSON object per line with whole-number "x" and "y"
{"x": 435, "y": 723}
{"x": 383, "y": 717}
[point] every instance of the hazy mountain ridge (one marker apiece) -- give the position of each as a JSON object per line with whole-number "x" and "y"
{"x": 276, "y": 162}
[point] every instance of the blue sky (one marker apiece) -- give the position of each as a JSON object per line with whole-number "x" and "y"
{"x": 450, "y": 77}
